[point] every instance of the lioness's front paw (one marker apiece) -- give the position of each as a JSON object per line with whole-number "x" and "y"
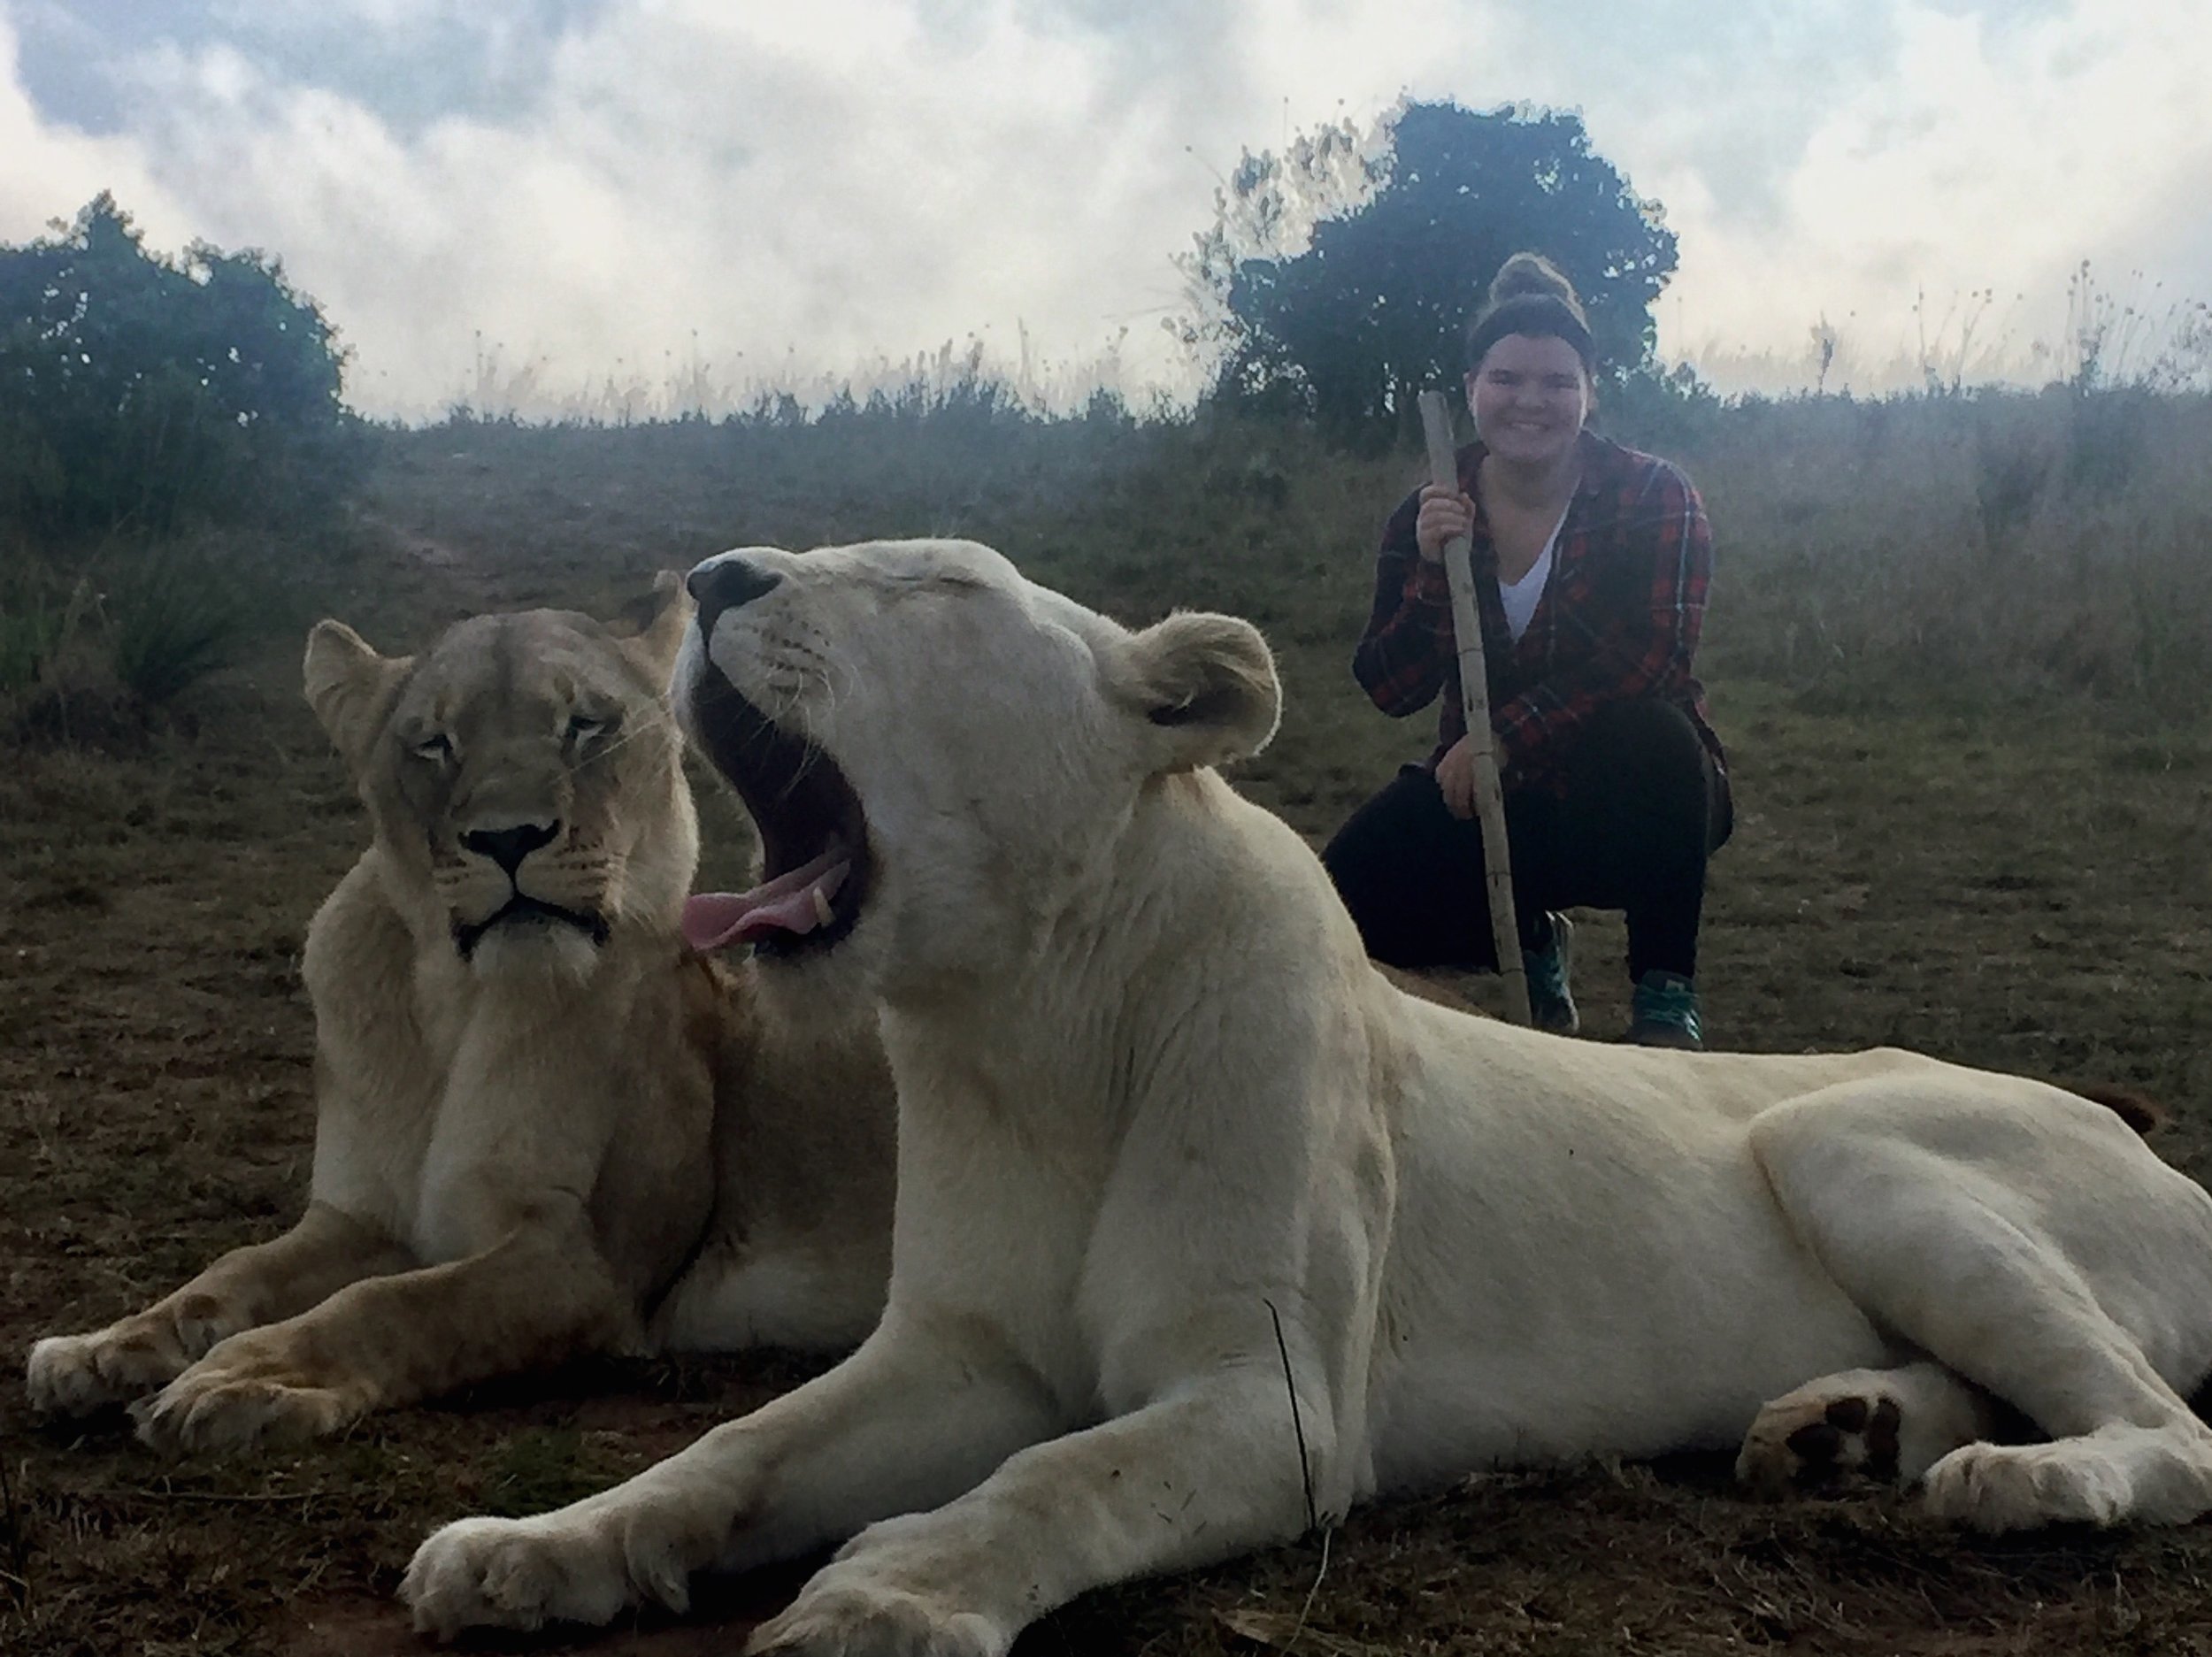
{"x": 75, "y": 1374}
{"x": 255, "y": 1388}
{"x": 511, "y": 1573}
{"x": 848, "y": 1613}
{"x": 571, "y": 1566}
{"x": 208, "y": 1408}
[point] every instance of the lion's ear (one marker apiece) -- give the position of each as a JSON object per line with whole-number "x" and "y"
{"x": 657, "y": 623}
{"x": 1206, "y": 685}
{"x": 349, "y": 685}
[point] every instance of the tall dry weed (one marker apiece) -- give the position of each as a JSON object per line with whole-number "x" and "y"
{"x": 1931, "y": 550}
{"x": 1967, "y": 549}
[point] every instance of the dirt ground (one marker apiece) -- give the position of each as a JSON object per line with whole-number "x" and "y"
{"x": 2029, "y": 894}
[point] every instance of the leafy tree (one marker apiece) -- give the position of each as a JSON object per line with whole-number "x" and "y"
{"x": 1337, "y": 279}
{"x": 141, "y": 394}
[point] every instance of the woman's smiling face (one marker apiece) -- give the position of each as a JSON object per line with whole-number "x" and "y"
{"x": 1530, "y": 395}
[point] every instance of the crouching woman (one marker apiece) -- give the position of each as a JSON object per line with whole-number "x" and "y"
{"x": 1591, "y": 562}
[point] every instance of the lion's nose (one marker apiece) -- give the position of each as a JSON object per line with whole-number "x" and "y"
{"x": 508, "y": 847}
{"x": 724, "y": 583}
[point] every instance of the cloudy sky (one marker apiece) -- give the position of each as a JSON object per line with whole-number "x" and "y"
{"x": 774, "y": 190}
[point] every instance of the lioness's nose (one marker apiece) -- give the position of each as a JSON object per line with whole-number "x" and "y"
{"x": 724, "y": 583}
{"x": 508, "y": 847}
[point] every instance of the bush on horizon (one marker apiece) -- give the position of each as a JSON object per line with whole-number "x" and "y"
{"x": 1337, "y": 278}
{"x": 140, "y": 397}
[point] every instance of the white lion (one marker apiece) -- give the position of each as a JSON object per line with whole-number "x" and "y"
{"x": 536, "y": 1109}
{"x": 1185, "y": 1184}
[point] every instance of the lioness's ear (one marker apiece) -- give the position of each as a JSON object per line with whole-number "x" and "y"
{"x": 659, "y": 619}
{"x": 349, "y": 686}
{"x": 1207, "y": 685}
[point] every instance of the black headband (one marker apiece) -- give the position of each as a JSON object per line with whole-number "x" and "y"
{"x": 1535, "y": 315}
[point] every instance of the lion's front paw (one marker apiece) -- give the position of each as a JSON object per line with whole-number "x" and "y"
{"x": 581, "y": 1564}
{"x": 75, "y": 1374}
{"x": 512, "y": 1572}
{"x": 248, "y": 1391}
{"x": 845, "y": 1612}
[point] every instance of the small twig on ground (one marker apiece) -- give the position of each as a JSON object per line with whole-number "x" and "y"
{"x": 1297, "y": 1422}
{"x": 1320, "y": 1573}
{"x": 18, "y": 1574}
{"x": 1305, "y": 1473}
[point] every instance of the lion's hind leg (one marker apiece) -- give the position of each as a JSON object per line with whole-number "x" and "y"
{"x": 2029, "y": 1245}
{"x": 2116, "y": 1474}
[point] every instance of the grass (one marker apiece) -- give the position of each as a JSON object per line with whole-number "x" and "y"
{"x": 31, "y": 630}
{"x": 174, "y": 618}
{"x": 1951, "y": 835}
{"x": 99, "y": 653}
{"x": 1969, "y": 551}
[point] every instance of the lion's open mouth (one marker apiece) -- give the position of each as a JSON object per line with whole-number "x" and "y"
{"x": 814, "y": 838}
{"x": 524, "y": 908}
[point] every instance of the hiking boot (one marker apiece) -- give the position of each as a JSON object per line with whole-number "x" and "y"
{"x": 1551, "y": 1003}
{"x": 1662, "y": 1013}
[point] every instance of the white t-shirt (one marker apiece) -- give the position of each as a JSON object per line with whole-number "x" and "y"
{"x": 1520, "y": 597}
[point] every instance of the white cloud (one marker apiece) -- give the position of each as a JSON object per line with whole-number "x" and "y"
{"x": 1986, "y": 161}
{"x": 619, "y": 187}
{"x": 50, "y": 172}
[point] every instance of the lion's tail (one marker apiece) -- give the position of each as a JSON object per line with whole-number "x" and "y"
{"x": 2138, "y": 1110}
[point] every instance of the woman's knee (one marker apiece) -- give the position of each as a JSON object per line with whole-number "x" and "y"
{"x": 1642, "y": 777}
{"x": 1393, "y": 859}
{"x": 1644, "y": 725}
{"x": 1648, "y": 745}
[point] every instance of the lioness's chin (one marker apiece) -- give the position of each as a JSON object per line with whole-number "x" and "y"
{"x": 533, "y": 947}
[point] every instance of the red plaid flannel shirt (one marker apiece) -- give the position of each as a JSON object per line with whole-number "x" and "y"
{"x": 1618, "y": 618}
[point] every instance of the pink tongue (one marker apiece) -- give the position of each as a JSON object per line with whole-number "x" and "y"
{"x": 715, "y": 920}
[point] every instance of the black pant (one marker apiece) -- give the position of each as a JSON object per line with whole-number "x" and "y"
{"x": 1644, "y": 807}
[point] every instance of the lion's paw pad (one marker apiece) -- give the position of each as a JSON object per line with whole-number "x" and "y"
{"x": 1813, "y": 1441}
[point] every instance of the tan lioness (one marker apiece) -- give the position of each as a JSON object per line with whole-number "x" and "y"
{"x": 537, "y": 1109}
{"x": 1203, "y": 1225}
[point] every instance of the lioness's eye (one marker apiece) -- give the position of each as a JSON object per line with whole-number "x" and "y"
{"x": 583, "y": 727}
{"x": 437, "y": 745}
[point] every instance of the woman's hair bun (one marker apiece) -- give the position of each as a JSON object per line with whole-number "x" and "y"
{"x": 1530, "y": 295}
{"x": 1534, "y": 273}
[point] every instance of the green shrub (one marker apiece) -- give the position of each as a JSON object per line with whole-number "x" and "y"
{"x": 1337, "y": 278}
{"x": 138, "y": 395}
{"x": 30, "y": 634}
{"x": 172, "y": 620}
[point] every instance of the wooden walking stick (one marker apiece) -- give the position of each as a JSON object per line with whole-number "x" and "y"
{"x": 1474, "y": 702}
